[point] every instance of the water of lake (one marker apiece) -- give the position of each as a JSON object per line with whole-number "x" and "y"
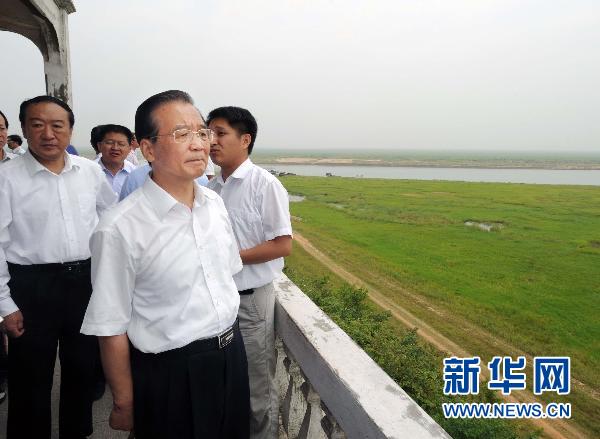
{"x": 536, "y": 176}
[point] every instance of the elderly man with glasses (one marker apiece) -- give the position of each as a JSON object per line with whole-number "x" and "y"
{"x": 114, "y": 146}
{"x": 164, "y": 301}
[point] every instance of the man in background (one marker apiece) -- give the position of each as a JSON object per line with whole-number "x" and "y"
{"x": 50, "y": 203}
{"x": 114, "y": 146}
{"x": 95, "y": 139}
{"x": 14, "y": 146}
{"x": 72, "y": 150}
{"x": 258, "y": 206}
{"x": 132, "y": 157}
{"x": 3, "y": 137}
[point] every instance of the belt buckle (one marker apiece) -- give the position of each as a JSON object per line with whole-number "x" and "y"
{"x": 225, "y": 338}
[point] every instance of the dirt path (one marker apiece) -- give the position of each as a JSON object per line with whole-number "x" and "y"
{"x": 555, "y": 428}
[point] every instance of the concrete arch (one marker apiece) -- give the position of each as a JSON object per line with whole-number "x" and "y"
{"x": 45, "y": 23}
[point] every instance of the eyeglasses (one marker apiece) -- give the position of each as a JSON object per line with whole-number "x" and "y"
{"x": 112, "y": 143}
{"x": 185, "y": 135}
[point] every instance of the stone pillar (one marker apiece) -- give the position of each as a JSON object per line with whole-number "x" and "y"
{"x": 45, "y": 22}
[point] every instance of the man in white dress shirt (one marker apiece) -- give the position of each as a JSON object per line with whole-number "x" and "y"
{"x": 114, "y": 145}
{"x": 164, "y": 301}
{"x": 50, "y": 202}
{"x": 14, "y": 146}
{"x": 3, "y": 137}
{"x": 132, "y": 157}
{"x": 258, "y": 206}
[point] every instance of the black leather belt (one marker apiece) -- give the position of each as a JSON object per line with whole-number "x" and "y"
{"x": 206, "y": 344}
{"x": 246, "y": 292}
{"x": 68, "y": 267}
{"x": 217, "y": 342}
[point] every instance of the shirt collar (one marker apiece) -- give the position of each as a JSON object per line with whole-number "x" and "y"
{"x": 33, "y": 166}
{"x": 240, "y": 172}
{"x": 127, "y": 166}
{"x": 162, "y": 202}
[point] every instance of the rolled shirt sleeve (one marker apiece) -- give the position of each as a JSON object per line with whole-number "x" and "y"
{"x": 7, "y": 305}
{"x": 275, "y": 211}
{"x": 113, "y": 280}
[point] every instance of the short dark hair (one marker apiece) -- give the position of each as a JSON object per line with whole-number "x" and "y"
{"x": 16, "y": 138}
{"x": 240, "y": 120}
{"x": 145, "y": 125}
{"x": 5, "y": 119}
{"x": 94, "y": 137}
{"x": 44, "y": 98}
{"x": 103, "y": 130}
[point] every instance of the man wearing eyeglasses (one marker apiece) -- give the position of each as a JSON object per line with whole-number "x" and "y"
{"x": 50, "y": 202}
{"x": 164, "y": 302}
{"x": 114, "y": 147}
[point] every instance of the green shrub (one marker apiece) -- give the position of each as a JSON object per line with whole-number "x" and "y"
{"x": 416, "y": 367}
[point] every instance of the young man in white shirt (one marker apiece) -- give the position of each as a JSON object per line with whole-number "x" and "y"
{"x": 50, "y": 202}
{"x": 258, "y": 206}
{"x": 114, "y": 145}
{"x": 162, "y": 267}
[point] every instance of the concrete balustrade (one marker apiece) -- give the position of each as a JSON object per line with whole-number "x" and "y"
{"x": 329, "y": 387}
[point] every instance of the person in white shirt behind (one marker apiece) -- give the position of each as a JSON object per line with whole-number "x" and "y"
{"x": 50, "y": 202}
{"x": 3, "y": 137}
{"x": 258, "y": 206}
{"x": 163, "y": 262}
{"x": 14, "y": 146}
{"x": 114, "y": 146}
{"x": 210, "y": 170}
{"x": 133, "y": 156}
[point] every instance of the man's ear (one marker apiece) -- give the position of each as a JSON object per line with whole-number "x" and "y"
{"x": 24, "y": 131}
{"x": 147, "y": 148}
{"x": 246, "y": 139}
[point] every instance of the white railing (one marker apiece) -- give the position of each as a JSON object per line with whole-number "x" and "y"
{"x": 329, "y": 387}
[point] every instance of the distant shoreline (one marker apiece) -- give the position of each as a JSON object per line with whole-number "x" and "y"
{"x": 434, "y": 163}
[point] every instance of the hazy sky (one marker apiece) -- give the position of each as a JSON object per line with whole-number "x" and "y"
{"x": 339, "y": 74}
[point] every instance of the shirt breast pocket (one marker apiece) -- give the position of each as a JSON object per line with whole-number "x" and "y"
{"x": 87, "y": 203}
{"x": 87, "y": 209}
{"x": 247, "y": 227}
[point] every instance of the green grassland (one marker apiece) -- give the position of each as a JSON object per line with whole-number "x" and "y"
{"x": 532, "y": 282}
{"x": 414, "y": 365}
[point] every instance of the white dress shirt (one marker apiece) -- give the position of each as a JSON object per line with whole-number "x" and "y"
{"x": 117, "y": 180}
{"x": 14, "y": 153}
{"x": 210, "y": 168}
{"x": 162, "y": 273}
{"x": 132, "y": 157}
{"x": 45, "y": 217}
{"x": 258, "y": 206}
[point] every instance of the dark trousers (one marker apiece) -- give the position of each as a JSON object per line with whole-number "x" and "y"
{"x": 53, "y": 299}
{"x": 197, "y": 391}
{"x": 3, "y": 364}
